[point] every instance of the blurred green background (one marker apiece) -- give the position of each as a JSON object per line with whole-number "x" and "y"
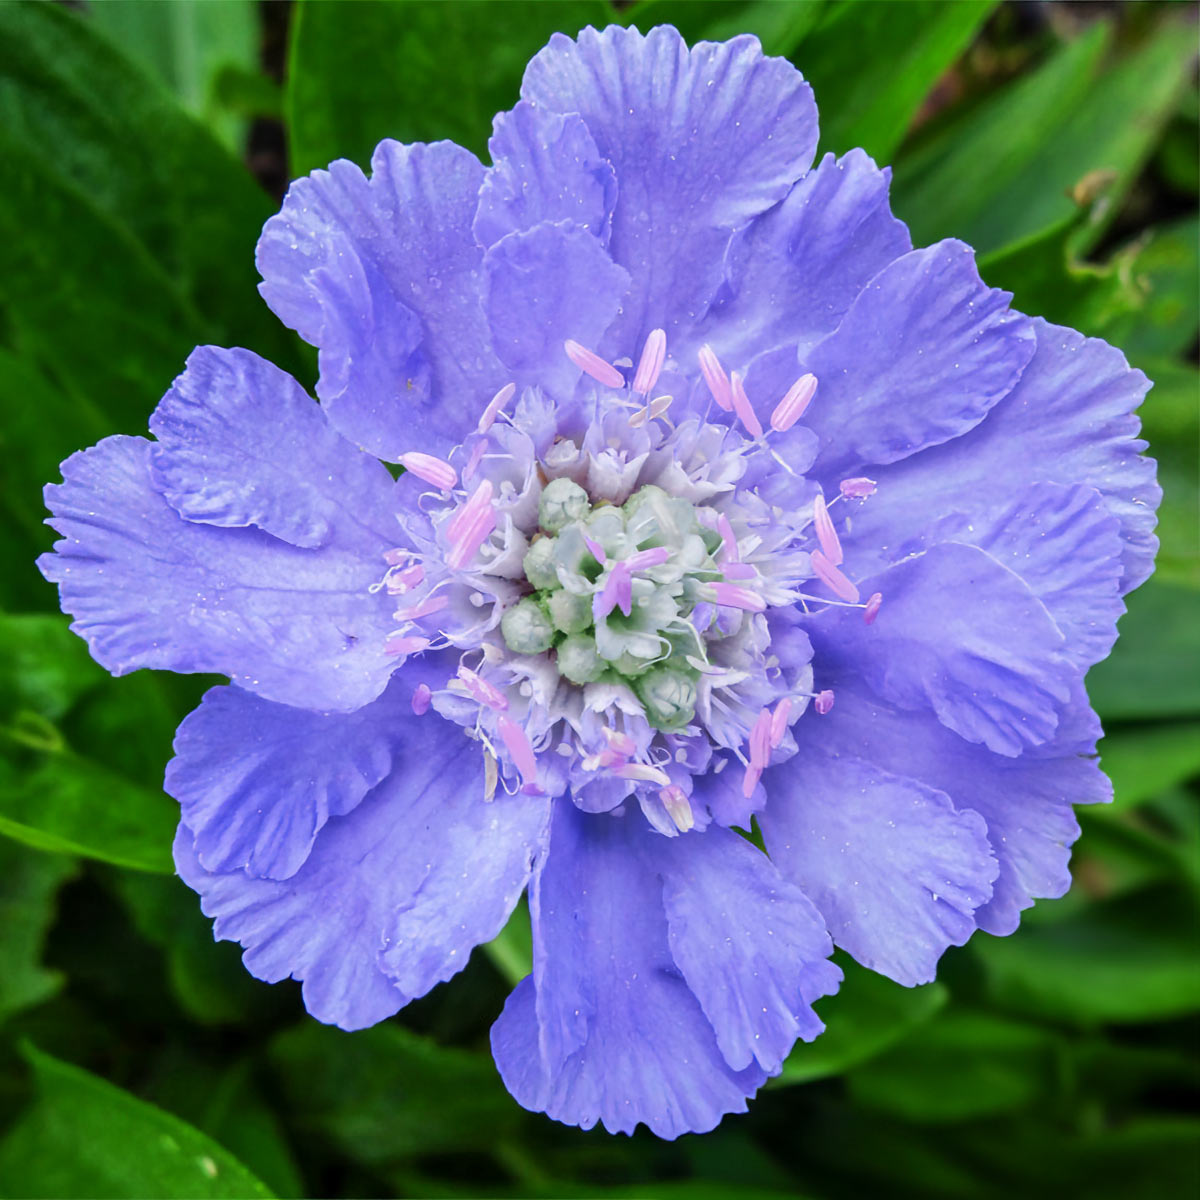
{"x": 142, "y": 145}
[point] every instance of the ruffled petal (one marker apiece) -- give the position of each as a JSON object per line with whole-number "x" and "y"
{"x": 794, "y": 272}
{"x": 605, "y": 1029}
{"x": 332, "y": 924}
{"x": 750, "y": 944}
{"x": 896, "y": 871}
{"x": 150, "y": 589}
{"x": 920, "y": 357}
{"x": 543, "y": 286}
{"x": 963, "y": 636}
{"x": 547, "y": 168}
{"x": 1026, "y": 801}
{"x": 1070, "y": 420}
{"x": 701, "y": 140}
{"x": 383, "y": 276}
{"x": 256, "y": 782}
{"x": 240, "y": 443}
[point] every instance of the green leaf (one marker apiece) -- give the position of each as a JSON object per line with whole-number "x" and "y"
{"x": 1143, "y": 761}
{"x": 1131, "y": 958}
{"x": 385, "y": 1093}
{"x": 1145, "y": 676}
{"x": 43, "y": 666}
{"x": 868, "y": 1014}
{"x": 780, "y": 27}
{"x": 1007, "y": 168}
{"x": 388, "y": 71}
{"x": 29, "y": 884}
{"x": 188, "y": 44}
{"x": 871, "y": 65}
{"x": 85, "y": 1137}
{"x": 963, "y": 1065}
{"x": 1166, "y": 263}
{"x": 512, "y": 952}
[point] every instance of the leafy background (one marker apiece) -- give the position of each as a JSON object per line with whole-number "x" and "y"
{"x": 142, "y": 145}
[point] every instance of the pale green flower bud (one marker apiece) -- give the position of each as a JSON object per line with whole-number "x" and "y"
{"x": 526, "y": 628}
{"x": 540, "y": 567}
{"x": 562, "y": 502}
{"x": 570, "y": 612}
{"x": 578, "y": 660}
{"x": 668, "y": 695}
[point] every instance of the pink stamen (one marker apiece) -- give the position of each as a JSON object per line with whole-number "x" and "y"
{"x": 517, "y": 743}
{"x": 399, "y": 644}
{"x": 481, "y": 498}
{"x": 730, "y": 595}
{"x": 871, "y": 611}
{"x": 750, "y": 781}
{"x": 619, "y": 743}
{"x": 796, "y": 399}
{"x": 743, "y": 407}
{"x": 654, "y": 353}
{"x": 643, "y": 772}
{"x": 715, "y": 377}
{"x": 645, "y": 559}
{"x": 433, "y": 470}
{"x": 477, "y": 452}
{"x": 596, "y": 549}
{"x": 394, "y": 558}
{"x": 422, "y": 698}
{"x": 760, "y": 740}
{"x": 729, "y": 545}
{"x": 471, "y": 539}
{"x": 674, "y": 800}
{"x": 617, "y": 590}
{"x": 779, "y": 721}
{"x": 423, "y": 608}
{"x": 823, "y": 702}
{"x": 833, "y": 578}
{"x": 590, "y": 363}
{"x": 482, "y": 691}
{"x": 738, "y": 570}
{"x": 826, "y": 534}
{"x": 495, "y": 407}
{"x": 858, "y": 488}
{"x": 406, "y": 580}
{"x": 652, "y": 411}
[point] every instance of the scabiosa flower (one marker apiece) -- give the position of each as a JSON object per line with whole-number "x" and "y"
{"x": 720, "y": 502}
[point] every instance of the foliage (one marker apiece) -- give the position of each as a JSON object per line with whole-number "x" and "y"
{"x": 1059, "y": 1060}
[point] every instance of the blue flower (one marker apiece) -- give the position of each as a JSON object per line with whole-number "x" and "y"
{"x": 721, "y": 503}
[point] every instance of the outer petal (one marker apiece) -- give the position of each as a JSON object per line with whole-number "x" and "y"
{"x": 543, "y": 286}
{"x": 1026, "y": 801}
{"x": 921, "y": 355}
{"x": 750, "y": 944}
{"x": 1070, "y": 420}
{"x": 701, "y": 140}
{"x": 894, "y": 869}
{"x": 149, "y": 589}
{"x": 793, "y": 274}
{"x": 963, "y": 636}
{"x": 330, "y": 925}
{"x": 257, "y": 781}
{"x": 382, "y": 275}
{"x": 240, "y": 443}
{"x": 548, "y": 168}
{"x": 622, "y": 1038}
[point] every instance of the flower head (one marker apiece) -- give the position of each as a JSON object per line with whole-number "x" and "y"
{"x": 720, "y": 502}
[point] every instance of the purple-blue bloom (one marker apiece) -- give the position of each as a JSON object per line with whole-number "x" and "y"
{"x": 722, "y": 504}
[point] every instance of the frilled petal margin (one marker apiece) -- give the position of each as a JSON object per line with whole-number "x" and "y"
{"x": 150, "y": 589}
{"x": 701, "y": 140}
{"x": 383, "y": 276}
{"x": 395, "y": 894}
{"x": 609, "y": 1028}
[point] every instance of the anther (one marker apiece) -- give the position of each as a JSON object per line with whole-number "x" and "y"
{"x": 730, "y": 595}
{"x": 432, "y": 470}
{"x": 422, "y": 608}
{"x": 858, "y": 488}
{"x": 482, "y": 691}
{"x": 823, "y": 702}
{"x": 495, "y": 407}
{"x": 617, "y": 591}
{"x": 406, "y": 580}
{"x": 477, "y": 452}
{"x": 643, "y": 773}
{"x": 796, "y": 399}
{"x": 779, "y": 721}
{"x": 421, "y": 699}
{"x": 833, "y": 578}
{"x": 400, "y": 644}
{"x": 760, "y": 740}
{"x": 590, "y": 363}
{"x": 675, "y": 801}
{"x": 644, "y": 559}
{"x": 516, "y": 741}
{"x": 743, "y": 407}
{"x": 650, "y": 367}
{"x": 826, "y": 534}
{"x": 871, "y": 608}
{"x": 715, "y": 377}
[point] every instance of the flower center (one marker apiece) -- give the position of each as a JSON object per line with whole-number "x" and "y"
{"x": 617, "y": 599}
